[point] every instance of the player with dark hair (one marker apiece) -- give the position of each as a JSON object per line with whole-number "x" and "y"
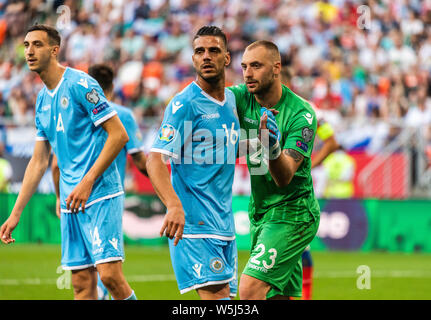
{"x": 200, "y": 133}
{"x": 283, "y": 211}
{"x": 104, "y": 75}
{"x": 74, "y": 118}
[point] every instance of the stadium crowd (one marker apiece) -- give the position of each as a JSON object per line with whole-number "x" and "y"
{"x": 369, "y": 61}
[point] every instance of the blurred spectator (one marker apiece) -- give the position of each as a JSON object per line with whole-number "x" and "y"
{"x": 340, "y": 170}
{"x": 419, "y": 112}
{"x": 5, "y": 166}
{"x": 367, "y": 79}
{"x": 22, "y": 115}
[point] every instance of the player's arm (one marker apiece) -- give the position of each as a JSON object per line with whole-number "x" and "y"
{"x": 116, "y": 140}
{"x": 140, "y": 161}
{"x": 56, "y": 179}
{"x": 330, "y": 144}
{"x": 251, "y": 145}
{"x": 282, "y": 165}
{"x": 135, "y": 144}
{"x": 33, "y": 174}
{"x": 285, "y": 166}
{"x": 169, "y": 142}
{"x": 173, "y": 224}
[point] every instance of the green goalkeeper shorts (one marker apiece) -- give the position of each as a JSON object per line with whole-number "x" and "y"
{"x": 276, "y": 248}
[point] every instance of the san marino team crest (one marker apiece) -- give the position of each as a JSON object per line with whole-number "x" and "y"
{"x": 216, "y": 265}
{"x": 64, "y": 102}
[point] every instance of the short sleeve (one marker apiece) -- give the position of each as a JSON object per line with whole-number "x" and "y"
{"x": 40, "y": 134}
{"x": 175, "y": 125}
{"x": 301, "y": 133}
{"x": 89, "y": 94}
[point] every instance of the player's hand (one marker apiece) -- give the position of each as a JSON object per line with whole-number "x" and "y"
{"x": 173, "y": 224}
{"x": 79, "y": 196}
{"x": 58, "y": 207}
{"x": 269, "y": 134}
{"x": 7, "y": 228}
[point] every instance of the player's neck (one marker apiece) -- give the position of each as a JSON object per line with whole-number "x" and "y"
{"x": 52, "y": 75}
{"x": 214, "y": 89}
{"x": 271, "y": 97}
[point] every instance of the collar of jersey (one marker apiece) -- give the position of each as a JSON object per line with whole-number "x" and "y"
{"x": 52, "y": 93}
{"x": 280, "y": 102}
{"x": 221, "y": 103}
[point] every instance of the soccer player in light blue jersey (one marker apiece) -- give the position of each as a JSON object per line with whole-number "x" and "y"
{"x": 104, "y": 75}
{"x": 200, "y": 133}
{"x": 74, "y": 118}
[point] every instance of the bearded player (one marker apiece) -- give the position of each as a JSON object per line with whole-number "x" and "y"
{"x": 284, "y": 212}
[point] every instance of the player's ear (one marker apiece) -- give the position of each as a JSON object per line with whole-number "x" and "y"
{"x": 227, "y": 58}
{"x": 55, "y": 50}
{"x": 277, "y": 69}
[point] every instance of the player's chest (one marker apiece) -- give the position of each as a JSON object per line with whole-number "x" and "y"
{"x": 215, "y": 117}
{"x": 250, "y": 119}
{"x": 58, "y": 114}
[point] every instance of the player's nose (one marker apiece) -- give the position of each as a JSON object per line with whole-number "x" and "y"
{"x": 29, "y": 51}
{"x": 206, "y": 56}
{"x": 248, "y": 73}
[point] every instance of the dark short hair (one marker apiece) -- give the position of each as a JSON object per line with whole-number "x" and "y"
{"x": 103, "y": 74}
{"x": 211, "y": 31}
{"x": 53, "y": 35}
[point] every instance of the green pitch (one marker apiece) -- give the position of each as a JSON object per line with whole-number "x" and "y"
{"x": 32, "y": 272}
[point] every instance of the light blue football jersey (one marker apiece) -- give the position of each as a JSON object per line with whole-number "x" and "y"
{"x": 201, "y": 134}
{"x": 135, "y": 143}
{"x": 69, "y": 117}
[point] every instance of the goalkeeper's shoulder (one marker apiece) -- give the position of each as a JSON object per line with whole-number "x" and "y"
{"x": 242, "y": 97}
{"x": 240, "y": 91}
{"x": 303, "y": 114}
{"x": 300, "y": 103}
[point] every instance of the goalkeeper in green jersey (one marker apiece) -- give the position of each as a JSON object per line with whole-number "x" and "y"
{"x": 279, "y": 128}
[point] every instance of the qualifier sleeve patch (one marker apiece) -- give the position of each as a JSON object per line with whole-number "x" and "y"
{"x": 167, "y": 133}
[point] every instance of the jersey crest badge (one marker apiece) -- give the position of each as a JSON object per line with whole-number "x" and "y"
{"x": 216, "y": 265}
{"x": 92, "y": 96}
{"x": 167, "y": 133}
{"x": 64, "y": 102}
{"x": 307, "y": 134}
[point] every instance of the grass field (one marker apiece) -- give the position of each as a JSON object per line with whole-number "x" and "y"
{"x": 32, "y": 272}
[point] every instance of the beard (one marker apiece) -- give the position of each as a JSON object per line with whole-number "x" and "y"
{"x": 211, "y": 78}
{"x": 263, "y": 86}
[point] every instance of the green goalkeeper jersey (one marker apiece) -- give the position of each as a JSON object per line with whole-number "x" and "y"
{"x": 297, "y": 123}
